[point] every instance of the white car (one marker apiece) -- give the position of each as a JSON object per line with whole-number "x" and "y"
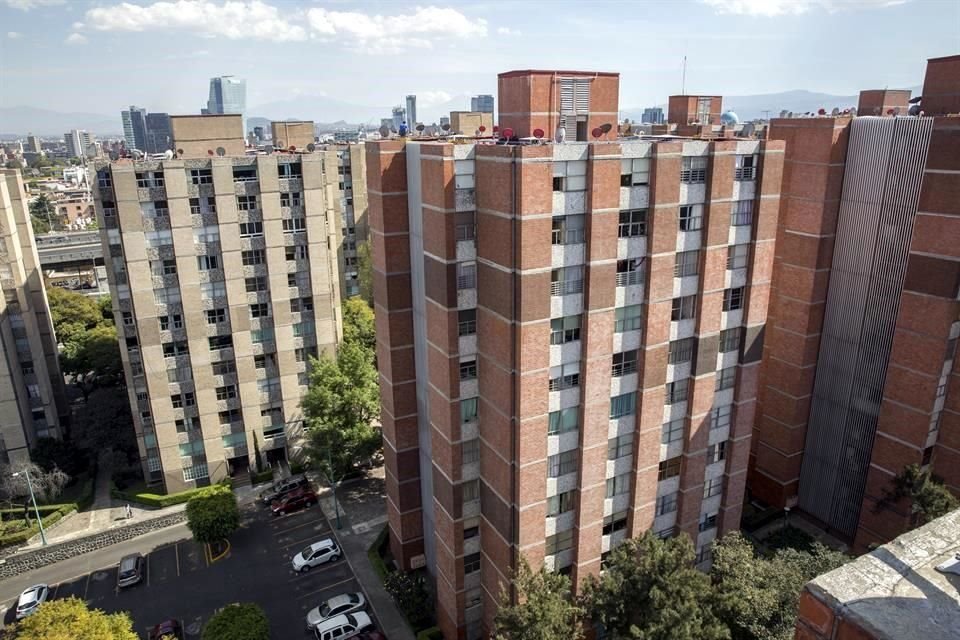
{"x": 316, "y": 554}
{"x": 338, "y": 605}
{"x": 30, "y": 599}
{"x": 343, "y": 626}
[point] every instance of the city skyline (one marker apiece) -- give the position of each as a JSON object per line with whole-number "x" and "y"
{"x": 450, "y": 51}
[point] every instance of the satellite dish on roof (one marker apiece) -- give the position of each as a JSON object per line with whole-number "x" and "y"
{"x": 292, "y": 148}
{"x": 311, "y": 147}
{"x": 179, "y": 153}
{"x": 606, "y": 127}
{"x": 168, "y": 154}
{"x": 482, "y": 128}
{"x": 221, "y": 151}
{"x": 420, "y": 127}
{"x": 445, "y": 126}
{"x": 384, "y": 131}
{"x": 209, "y": 152}
{"x": 508, "y": 133}
{"x": 597, "y": 132}
{"x": 538, "y": 133}
{"x": 835, "y": 111}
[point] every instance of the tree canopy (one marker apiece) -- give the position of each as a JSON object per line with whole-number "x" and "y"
{"x": 928, "y": 497}
{"x": 358, "y": 324}
{"x": 70, "y": 618}
{"x": 545, "y": 609}
{"x": 54, "y": 453}
{"x": 93, "y": 359}
{"x": 47, "y": 485}
{"x": 238, "y": 621}
{"x": 43, "y": 214}
{"x": 365, "y": 272}
{"x": 650, "y": 590}
{"x": 74, "y": 313}
{"x": 213, "y": 514}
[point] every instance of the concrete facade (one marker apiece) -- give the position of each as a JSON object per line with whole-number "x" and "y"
{"x": 201, "y": 136}
{"x": 32, "y": 399}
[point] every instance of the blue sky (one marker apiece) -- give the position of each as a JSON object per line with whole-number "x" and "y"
{"x": 77, "y": 55}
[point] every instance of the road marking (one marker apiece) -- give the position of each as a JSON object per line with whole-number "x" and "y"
{"x": 363, "y": 527}
{"x": 56, "y": 588}
{"x": 148, "y": 568}
{"x": 329, "y": 586}
{"x": 223, "y": 555}
{"x": 176, "y": 550}
{"x": 86, "y": 586}
{"x": 303, "y": 574}
{"x": 319, "y": 521}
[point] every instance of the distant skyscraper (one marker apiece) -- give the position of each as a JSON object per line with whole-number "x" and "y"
{"x": 33, "y": 143}
{"x": 412, "y": 111}
{"x": 135, "y": 127}
{"x": 228, "y": 94}
{"x": 652, "y": 115}
{"x": 79, "y": 143}
{"x": 159, "y": 138}
{"x": 399, "y": 115}
{"x": 444, "y": 120}
{"x": 482, "y": 103}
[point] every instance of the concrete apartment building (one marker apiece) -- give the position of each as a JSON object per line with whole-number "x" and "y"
{"x": 32, "y": 400}
{"x": 225, "y": 281}
{"x": 568, "y": 338}
{"x": 860, "y": 370}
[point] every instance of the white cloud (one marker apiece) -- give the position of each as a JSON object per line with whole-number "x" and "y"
{"x": 432, "y": 98}
{"x": 770, "y": 8}
{"x": 76, "y": 38}
{"x": 392, "y": 34}
{"x": 507, "y": 31}
{"x": 13, "y": 35}
{"x": 26, "y": 5}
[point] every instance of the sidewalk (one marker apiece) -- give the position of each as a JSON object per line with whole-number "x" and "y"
{"x": 363, "y": 514}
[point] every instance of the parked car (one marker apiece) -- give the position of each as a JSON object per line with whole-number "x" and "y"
{"x": 316, "y": 554}
{"x": 30, "y": 599}
{"x": 341, "y": 627}
{"x": 166, "y": 629}
{"x": 131, "y": 570}
{"x": 283, "y": 487}
{"x": 294, "y": 501}
{"x": 335, "y": 606}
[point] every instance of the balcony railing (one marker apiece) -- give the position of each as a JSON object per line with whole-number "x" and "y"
{"x": 745, "y": 173}
{"x": 566, "y": 287}
{"x": 628, "y": 278}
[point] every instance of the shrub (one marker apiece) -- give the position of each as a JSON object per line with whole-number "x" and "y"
{"x": 157, "y": 500}
{"x": 409, "y": 591}
{"x": 433, "y": 633}
{"x": 213, "y": 514}
{"x": 238, "y": 621}
{"x": 263, "y": 476}
{"x": 375, "y": 554}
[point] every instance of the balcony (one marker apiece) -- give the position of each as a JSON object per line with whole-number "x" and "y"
{"x": 741, "y": 174}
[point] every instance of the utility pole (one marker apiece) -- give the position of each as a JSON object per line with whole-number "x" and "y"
{"x": 43, "y": 535}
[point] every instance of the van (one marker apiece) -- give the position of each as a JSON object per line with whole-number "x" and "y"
{"x": 131, "y": 570}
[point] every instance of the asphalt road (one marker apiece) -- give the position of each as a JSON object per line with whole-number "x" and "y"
{"x": 183, "y": 582}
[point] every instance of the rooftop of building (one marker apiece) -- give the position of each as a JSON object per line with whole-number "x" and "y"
{"x": 556, "y": 72}
{"x": 896, "y": 592}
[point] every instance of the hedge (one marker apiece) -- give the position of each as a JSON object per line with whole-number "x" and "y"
{"x": 263, "y": 476}
{"x": 431, "y": 633}
{"x": 375, "y": 554}
{"x": 156, "y": 500}
{"x": 49, "y": 513}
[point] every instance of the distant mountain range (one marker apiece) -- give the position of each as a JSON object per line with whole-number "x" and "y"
{"x": 19, "y": 121}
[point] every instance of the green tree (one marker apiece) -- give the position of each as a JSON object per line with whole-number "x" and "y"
{"x": 365, "y": 272}
{"x": 358, "y": 324}
{"x": 105, "y": 303}
{"x": 238, "y": 621}
{"x": 93, "y": 359}
{"x": 545, "y": 609}
{"x": 13, "y": 164}
{"x": 54, "y": 453}
{"x": 105, "y": 422}
{"x": 757, "y": 596}
{"x": 70, "y": 618}
{"x": 651, "y": 591}
{"x": 43, "y": 213}
{"x": 72, "y": 313}
{"x": 929, "y": 499}
{"x": 213, "y": 514}
{"x": 409, "y": 590}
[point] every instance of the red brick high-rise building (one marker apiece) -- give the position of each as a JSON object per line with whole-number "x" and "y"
{"x": 860, "y": 377}
{"x": 569, "y": 338}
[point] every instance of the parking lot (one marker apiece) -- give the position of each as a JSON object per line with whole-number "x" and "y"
{"x": 183, "y": 581}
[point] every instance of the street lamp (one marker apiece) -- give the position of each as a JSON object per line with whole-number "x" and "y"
{"x": 43, "y": 535}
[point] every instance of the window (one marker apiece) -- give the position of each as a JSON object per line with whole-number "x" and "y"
{"x": 468, "y": 410}
{"x": 620, "y": 446}
{"x": 717, "y": 452}
{"x": 255, "y": 284}
{"x": 672, "y": 431}
{"x": 223, "y": 368}
{"x": 733, "y": 299}
{"x": 566, "y": 281}
{"x": 730, "y": 339}
{"x": 187, "y": 424}
{"x": 171, "y": 349}
{"x": 559, "y": 542}
{"x": 565, "y": 376}
{"x": 163, "y": 267}
{"x": 196, "y": 472}
{"x": 287, "y": 170}
{"x": 213, "y": 290}
{"x": 738, "y": 255}
{"x": 158, "y": 238}
{"x": 127, "y": 318}
{"x": 630, "y": 272}
{"x": 292, "y": 199}
{"x": 260, "y": 310}
{"x": 708, "y": 521}
{"x": 261, "y": 336}
{"x": 720, "y": 416}
{"x": 691, "y": 217}
{"x": 201, "y": 176}
{"x": 466, "y": 275}
{"x": 231, "y": 416}
{"x": 634, "y": 172}
{"x": 570, "y": 175}
{"x": 301, "y": 329}
{"x": 471, "y": 563}
{"x": 624, "y": 363}
{"x": 166, "y": 296}
{"x": 299, "y": 305}
{"x": 614, "y": 522}
{"x": 623, "y": 405}
{"x": 470, "y": 490}
{"x": 669, "y": 468}
{"x": 681, "y": 351}
{"x": 467, "y": 322}
{"x": 712, "y": 487}
{"x": 302, "y": 354}
{"x": 686, "y": 263}
{"x": 294, "y": 225}
{"x": 742, "y": 214}
{"x": 149, "y": 179}
{"x": 297, "y": 252}
{"x": 216, "y": 316}
{"x": 468, "y": 370}
{"x": 253, "y": 257}
{"x": 628, "y": 318}
{"x": 463, "y": 174}
{"x": 470, "y": 451}
{"x": 227, "y": 392}
{"x": 677, "y": 391}
{"x": 693, "y": 170}
{"x": 618, "y": 485}
{"x": 220, "y": 342}
{"x": 174, "y": 320}
{"x": 466, "y": 231}
{"x": 206, "y": 235}
{"x": 562, "y": 463}
{"x": 568, "y": 230}
{"x": 251, "y": 229}
{"x": 563, "y": 421}
{"x": 684, "y": 308}
{"x": 561, "y": 503}
{"x": 564, "y": 330}
{"x": 245, "y": 174}
{"x": 667, "y": 504}
{"x": 746, "y": 168}
{"x": 633, "y": 223}
{"x": 180, "y": 400}
{"x": 206, "y": 263}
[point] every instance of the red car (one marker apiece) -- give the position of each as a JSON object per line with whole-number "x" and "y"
{"x": 294, "y": 501}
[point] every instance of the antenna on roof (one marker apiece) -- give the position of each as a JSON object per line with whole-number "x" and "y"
{"x": 605, "y": 128}
{"x": 683, "y": 78}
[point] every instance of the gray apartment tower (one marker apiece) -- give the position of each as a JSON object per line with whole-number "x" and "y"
{"x": 135, "y": 127}
{"x": 482, "y": 103}
{"x": 228, "y": 94}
